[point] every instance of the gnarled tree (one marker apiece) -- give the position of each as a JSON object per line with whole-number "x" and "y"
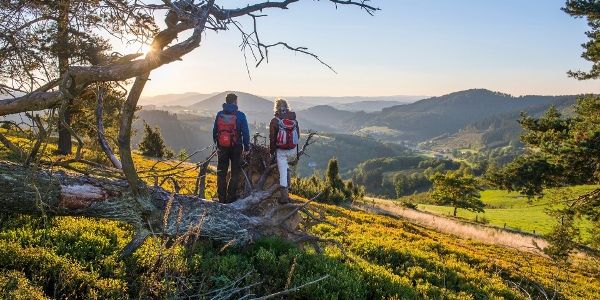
{"x": 149, "y": 209}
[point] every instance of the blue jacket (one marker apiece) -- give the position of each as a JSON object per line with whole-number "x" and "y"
{"x": 242, "y": 124}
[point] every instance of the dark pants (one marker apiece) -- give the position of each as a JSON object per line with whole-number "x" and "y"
{"x": 227, "y": 190}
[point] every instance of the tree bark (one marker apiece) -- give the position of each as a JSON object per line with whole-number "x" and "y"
{"x": 100, "y": 125}
{"x": 38, "y": 192}
{"x": 65, "y": 145}
{"x": 124, "y": 138}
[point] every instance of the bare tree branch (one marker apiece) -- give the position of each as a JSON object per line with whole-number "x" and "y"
{"x": 100, "y": 124}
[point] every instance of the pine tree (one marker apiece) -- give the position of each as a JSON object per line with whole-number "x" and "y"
{"x": 153, "y": 144}
{"x": 183, "y": 154}
{"x": 333, "y": 174}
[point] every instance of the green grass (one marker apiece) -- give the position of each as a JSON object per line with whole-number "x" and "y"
{"x": 387, "y": 258}
{"x": 516, "y": 211}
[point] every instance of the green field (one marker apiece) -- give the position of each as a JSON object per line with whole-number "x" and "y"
{"x": 515, "y": 211}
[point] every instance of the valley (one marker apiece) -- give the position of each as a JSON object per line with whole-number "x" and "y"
{"x": 473, "y": 120}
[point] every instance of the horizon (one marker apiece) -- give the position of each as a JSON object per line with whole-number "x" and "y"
{"x": 421, "y": 97}
{"x": 408, "y": 48}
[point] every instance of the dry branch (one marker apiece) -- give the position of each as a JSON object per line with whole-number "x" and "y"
{"x": 100, "y": 124}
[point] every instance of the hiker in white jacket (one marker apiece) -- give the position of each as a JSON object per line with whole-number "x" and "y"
{"x": 283, "y": 142}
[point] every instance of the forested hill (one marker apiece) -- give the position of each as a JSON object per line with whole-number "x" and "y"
{"x": 418, "y": 121}
{"x": 428, "y": 118}
{"x": 330, "y": 119}
{"x": 491, "y": 115}
{"x": 447, "y": 114}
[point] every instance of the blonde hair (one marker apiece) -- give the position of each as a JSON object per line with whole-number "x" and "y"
{"x": 279, "y": 104}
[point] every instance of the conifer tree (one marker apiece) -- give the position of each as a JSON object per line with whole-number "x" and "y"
{"x": 153, "y": 144}
{"x": 333, "y": 174}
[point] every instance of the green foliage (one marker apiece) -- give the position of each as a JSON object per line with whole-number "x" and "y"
{"x": 458, "y": 190}
{"x": 562, "y": 238}
{"x": 15, "y": 285}
{"x": 561, "y": 152}
{"x": 387, "y": 259}
{"x": 407, "y": 184}
{"x": 331, "y": 189}
{"x": 69, "y": 256}
{"x": 526, "y": 175}
{"x": 333, "y": 174}
{"x": 514, "y": 211}
{"x": 397, "y": 176}
{"x": 588, "y": 9}
{"x": 350, "y": 150}
{"x": 370, "y": 173}
{"x": 153, "y": 144}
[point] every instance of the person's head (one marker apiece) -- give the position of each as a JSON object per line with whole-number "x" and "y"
{"x": 281, "y": 106}
{"x": 231, "y": 98}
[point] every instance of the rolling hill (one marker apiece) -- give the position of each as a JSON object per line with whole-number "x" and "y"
{"x": 497, "y": 130}
{"x": 378, "y": 257}
{"x": 246, "y": 102}
{"x": 368, "y": 105}
{"x": 447, "y": 114}
{"x": 327, "y": 118}
{"x": 334, "y": 101}
{"x": 436, "y": 116}
{"x": 477, "y": 117}
{"x": 184, "y": 99}
{"x": 352, "y": 103}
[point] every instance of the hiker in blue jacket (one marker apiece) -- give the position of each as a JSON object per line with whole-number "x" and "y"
{"x": 232, "y": 137}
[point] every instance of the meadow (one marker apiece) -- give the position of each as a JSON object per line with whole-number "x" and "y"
{"x": 376, "y": 257}
{"x": 386, "y": 258}
{"x": 514, "y": 211}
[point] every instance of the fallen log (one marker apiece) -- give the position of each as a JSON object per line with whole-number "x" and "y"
{"x": 258, "y": 214}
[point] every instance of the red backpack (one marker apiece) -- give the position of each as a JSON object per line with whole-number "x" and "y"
{"x": 227, "y": 133}
{"x": 287, "y": 137}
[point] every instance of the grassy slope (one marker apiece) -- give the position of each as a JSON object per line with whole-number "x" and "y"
{"x": 515, "y": 210}
{"x": 387, "y": 258}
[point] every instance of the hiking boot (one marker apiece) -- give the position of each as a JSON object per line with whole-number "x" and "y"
{"x": 284, "y": 196}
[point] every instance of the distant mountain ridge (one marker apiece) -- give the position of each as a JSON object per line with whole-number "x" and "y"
{"x": 432, "y": 117}
{"x": 418, "y": 121}
{"x": 369, "y": 105}
{"x": 350, "y": 103}
{"x": 246, "y": 102}
{"x": 334, "y": 100}
{"x": 184, "y": 99}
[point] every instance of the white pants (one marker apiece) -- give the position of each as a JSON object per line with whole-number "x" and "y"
{"x": 283, "y": 157}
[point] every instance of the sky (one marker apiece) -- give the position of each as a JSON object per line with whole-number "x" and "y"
{"x": 410, "y": 47}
